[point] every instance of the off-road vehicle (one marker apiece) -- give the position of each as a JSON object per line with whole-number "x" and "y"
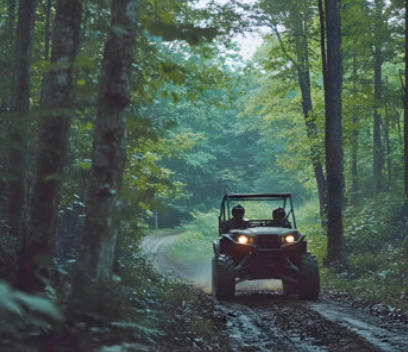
{"x": 261, "y": 248}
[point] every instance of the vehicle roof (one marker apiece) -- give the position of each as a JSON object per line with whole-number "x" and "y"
{"x": 255, "y": 195}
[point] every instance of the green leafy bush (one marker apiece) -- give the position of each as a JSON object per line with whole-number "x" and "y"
{"x": 19, "y": 309}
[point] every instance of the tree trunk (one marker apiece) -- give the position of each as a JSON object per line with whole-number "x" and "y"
{"x": 303, "y": 71}
{"x": 387, "y": 134}
{"x": 5, "y": 89}
{"x": 20, "y": 94}
{"x": 406, "y": 106}
{"x": 323, "y": 48}
{"x": 57, "y": 106}
{"x": 377, "y": 146}
{"x": 334, "y": 148}
{"x": 47, "y": 34}
{"x": 108, "y": 156}
{"x": 354, "y": 142}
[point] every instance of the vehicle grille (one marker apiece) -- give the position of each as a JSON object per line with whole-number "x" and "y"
{"x": 269, "y": 241}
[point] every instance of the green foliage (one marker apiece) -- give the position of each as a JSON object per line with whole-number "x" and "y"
{"x": 375, "y": 237}
{"x": 152, "y": 309}
{"x": 18, "y": 309}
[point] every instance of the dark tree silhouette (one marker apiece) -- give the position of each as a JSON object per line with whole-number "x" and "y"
{"x": 334, "y": 148}
{"x": 57, "y": 106}
{"x": 406, "y": 107}
{"x": 20, "y": 95}
{"x": 378, "y": 61}
{"x": 108, "y": 155}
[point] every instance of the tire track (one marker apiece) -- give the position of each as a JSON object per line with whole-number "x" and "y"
{"x": 260, "y": 319}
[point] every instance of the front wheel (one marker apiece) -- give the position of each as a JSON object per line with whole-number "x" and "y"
{"x": 309, "y": 279}
{"x": 223, "y": 279}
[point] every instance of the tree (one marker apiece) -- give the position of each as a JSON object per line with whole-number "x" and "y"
{"x": 108, "y": 155}
{"x": 298, "y": 23}
{"x": 406, "y": 106}
{"x": 57, "y": 103}
{"x": 378, "y": 61}
{"x": 20, "y": 95}
{"x": 333, "y": 140}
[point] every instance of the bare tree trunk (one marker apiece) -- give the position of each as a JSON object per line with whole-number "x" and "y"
{"x": 354, "y": 142}
{"x": 323, "y": 48}
{"x": 20, "y": 94}
{"x": 47, "y": 29}
{"x": 108, "y": 156}
{"x": 334, "y": 148}
{"x": 302, "y": 66}
{"x": 377, "y": 145}
{"x": 57, "y": 105}
{"x": 387, "y": 134}
{"x": 406, "y": 107}
{"x": 5, "y": 90}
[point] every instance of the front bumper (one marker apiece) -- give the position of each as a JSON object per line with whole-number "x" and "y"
{"x": 258, "y": 263}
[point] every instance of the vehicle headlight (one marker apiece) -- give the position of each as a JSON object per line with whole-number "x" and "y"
{"x": 290, "y": 238}
{"x": 244, "y": 239}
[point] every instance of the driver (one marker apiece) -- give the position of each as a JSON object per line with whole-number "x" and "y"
{"x": 237, "y": 221}
{"x": 279, "y": 219}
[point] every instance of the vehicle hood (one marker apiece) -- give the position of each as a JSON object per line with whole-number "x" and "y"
{"x": 256, "y": 231}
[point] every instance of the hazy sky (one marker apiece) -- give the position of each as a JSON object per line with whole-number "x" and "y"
{"x": 248, "y": 42}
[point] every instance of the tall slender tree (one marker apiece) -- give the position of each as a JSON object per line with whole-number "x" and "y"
{"x": 57, "y": 106}
{"x": 296, "y": 17}
{"x": 108, "y": 155}
{"x": 6, "y": 50}
{"x": 20, "y": 95}
{"x": 354, "y": 141}
{"x": 300, "y": 26}
{"x": 406, "y": 107}
{"x": 378, "y": 61}
{"x": 333, "y": 139}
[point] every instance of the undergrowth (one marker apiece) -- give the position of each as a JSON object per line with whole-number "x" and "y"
{"x": 375, "y": 252}
{"x": 155, "y": 311}
{"x": 140, "y": 311}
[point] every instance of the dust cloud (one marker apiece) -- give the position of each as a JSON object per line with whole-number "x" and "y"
{"x": 198, "y": 274}
{"x": 201, "y": 277}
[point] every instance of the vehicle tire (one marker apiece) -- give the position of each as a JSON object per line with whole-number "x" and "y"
{"x": 223, "y": 280}
{"x": 309, "y": 279}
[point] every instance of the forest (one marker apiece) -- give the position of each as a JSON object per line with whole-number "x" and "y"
{"x": 124, "y": 122}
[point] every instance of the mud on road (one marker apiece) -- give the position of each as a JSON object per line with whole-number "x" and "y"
{"x": 260, "y": 318}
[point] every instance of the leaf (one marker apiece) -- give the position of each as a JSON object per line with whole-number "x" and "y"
{"x": 85, "y": 164}
{"x": 175, "y": 97}
{"x": 53, "y": 177}
{"x": 38, "y": 305}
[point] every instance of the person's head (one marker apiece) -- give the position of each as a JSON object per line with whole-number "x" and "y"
{"x": 278, "y": 214}
{"x": 238, "y": 211}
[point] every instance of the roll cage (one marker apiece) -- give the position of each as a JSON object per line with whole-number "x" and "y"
{"x": 225, "y": 208}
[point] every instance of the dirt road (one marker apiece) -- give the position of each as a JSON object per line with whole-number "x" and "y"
{"x": 259, "y": 318}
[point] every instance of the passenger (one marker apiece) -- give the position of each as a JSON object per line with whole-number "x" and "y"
{"x": 237, "y": 221}
{"x": 279, "y": 219}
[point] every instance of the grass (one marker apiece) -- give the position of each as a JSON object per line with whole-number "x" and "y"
{"x": 194, "y": 244}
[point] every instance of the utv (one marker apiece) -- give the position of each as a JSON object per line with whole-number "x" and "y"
{"x": 261, "y": 247}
